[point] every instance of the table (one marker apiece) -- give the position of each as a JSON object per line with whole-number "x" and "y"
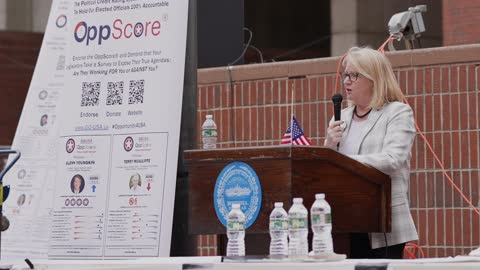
{"x": 219, "y": 263}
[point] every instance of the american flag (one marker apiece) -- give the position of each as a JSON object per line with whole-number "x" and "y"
{"x": 299, "y": 137}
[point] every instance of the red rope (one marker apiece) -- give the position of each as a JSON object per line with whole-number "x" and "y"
{"x": 407, "y": 254}
{"x": 382, "y": 48}
{"x": 475, "y": 209}
{"x": 339, "y": 66}
{"x": 411, "y": 249}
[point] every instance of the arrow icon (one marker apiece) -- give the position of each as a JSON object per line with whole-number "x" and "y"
{"x": 148, "y": 187}
{"x": 93, "y": 188}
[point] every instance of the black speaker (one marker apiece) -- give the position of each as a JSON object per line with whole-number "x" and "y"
{"x": 220, "y": 32}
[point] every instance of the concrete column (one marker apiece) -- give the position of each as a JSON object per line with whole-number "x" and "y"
{"x": 24, "y": 15}
{"x": 365, "y": 23}
{"x": 3, "y": 15}
{"x": 357, "y": 23}
{"x": 344, "y": 25}
{"x": 41, "y": 10}
{"x": 19, "y": 15}
{"x": 372, "y": 20}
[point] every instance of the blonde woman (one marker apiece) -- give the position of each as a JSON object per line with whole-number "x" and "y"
{"x": 135, "y": 182}
{"x": 377, "y": 129}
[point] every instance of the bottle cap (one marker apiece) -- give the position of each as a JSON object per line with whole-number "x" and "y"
{"x": 209, "y": 116}
{"x": 236, "y": 206}
{"x": 279, "y": 204}
{"x": 297, "y": 200}
{"x": 320, "y": 196}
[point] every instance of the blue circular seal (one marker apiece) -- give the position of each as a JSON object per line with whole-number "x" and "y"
{"x": 238, "y": 183}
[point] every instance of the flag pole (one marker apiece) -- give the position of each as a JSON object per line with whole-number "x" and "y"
{"x": 291, "y": 120}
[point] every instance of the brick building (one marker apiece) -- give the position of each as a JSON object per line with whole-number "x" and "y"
{"x": 252, "y": 108}
{"x": 441, "y": 85}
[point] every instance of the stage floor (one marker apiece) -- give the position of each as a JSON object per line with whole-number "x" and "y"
{"x": 251, "y": 263}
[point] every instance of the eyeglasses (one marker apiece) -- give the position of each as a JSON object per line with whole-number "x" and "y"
{"x": 352, "y": 76}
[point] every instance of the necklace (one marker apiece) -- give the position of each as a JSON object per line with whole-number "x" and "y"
{"x": 360, "y": 116}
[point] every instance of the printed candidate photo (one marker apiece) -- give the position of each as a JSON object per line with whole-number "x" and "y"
{"x": 77, "y": 184}
{"x": 44, "y": 120}
{"x": 135, "y": 182}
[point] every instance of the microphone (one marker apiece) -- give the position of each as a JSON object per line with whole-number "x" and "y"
{"x": 337, "y": 105}
{"x": 337, "y": 108}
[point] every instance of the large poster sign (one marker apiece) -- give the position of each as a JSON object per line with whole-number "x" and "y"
{"x": 32, "y": 179}
{"x": 118, "y": 121}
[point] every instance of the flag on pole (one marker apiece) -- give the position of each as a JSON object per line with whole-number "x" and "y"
{"x": 298, "y": 137}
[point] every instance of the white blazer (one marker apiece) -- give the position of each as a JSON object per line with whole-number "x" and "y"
{"x": 386, "y": 144}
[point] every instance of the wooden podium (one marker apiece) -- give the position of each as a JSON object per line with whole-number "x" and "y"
{"x": 359, "y": 195}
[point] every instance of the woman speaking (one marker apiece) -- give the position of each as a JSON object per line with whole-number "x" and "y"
{"x": 378, "y": 130}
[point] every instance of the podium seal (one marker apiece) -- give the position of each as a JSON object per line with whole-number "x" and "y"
{"x": 237, "y": 183}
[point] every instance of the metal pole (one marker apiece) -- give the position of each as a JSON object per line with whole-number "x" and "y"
{"x": 4, "y": 223}
{"x": 182, "y": 243}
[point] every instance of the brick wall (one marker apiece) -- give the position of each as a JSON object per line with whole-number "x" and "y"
{"x": 18, "y": 54}
{"x": 442, "y": 86}
{"x": 460, "y": 22}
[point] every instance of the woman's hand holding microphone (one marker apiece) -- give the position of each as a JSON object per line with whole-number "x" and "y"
{"x": 334, "y": 134}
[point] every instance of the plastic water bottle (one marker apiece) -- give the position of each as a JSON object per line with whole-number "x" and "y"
{"x": 279, "y": 231}
{"x": 298, "y": 229}
{"x": 321, "y": 218}
{"x": 236, "y": 232}
{"x": 209, "y": 133}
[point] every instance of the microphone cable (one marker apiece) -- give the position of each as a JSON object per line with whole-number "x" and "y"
{"x": 300, "y": 48}
{"x": 230, "y": 77}
{"x": 386, "y": 245}
{"x": 260, "y": 54}
{"x": 245, "y": 48}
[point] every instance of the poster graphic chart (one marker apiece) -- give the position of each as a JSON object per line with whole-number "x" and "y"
{"x": 136, "y": 194}
{"x": 109, "y": 202}
{"x": 124, "y": 82}
{"x": 78, "y": 220}
{"x": 99, "y": 133}
{"x": 32, "y": 178}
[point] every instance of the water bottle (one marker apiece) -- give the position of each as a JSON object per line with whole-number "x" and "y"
{"x": 279, "y": 231}
{"x": 236, "y": 232}
{"x": 321, "y": 218}
{"x": 298, "y": 229}
{"x": 209, "y": 133}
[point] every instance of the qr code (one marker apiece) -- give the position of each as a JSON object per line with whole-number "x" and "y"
{"x": 114, "y": 93}
{"x": 135, "y": 92}
{"x": 61, "y": 62}
{"x": 90, "y": 93}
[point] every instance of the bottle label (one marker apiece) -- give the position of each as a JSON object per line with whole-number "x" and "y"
{"x": 209, "y": 133}
{"x": 298, "y": 223}
{"x": 278, "y": 225}
{"x": 236, "y": 225}
{"x": 318, "y": 219}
